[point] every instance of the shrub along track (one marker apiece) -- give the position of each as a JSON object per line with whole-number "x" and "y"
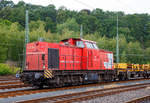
{"x": 34, "y": 91}
{"x": 81, "y": 96}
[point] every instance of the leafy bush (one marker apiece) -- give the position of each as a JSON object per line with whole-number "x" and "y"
{"x": 6, "y": 69}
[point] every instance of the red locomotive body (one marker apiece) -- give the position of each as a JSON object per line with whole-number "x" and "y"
{"x": 72, "y": 61}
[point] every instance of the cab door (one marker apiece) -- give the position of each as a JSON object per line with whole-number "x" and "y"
{"x": 81, "y": 55}
{"x": 53, "y": 58}
{"x": 85, "y": 59}
{"x": 90, "y": 58}
{"x": 34, "y": 61}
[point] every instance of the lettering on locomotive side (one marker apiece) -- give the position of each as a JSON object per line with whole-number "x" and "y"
{"x": 109, "y": 64}
{"x": 30, "y": 47}
{"x": 62, "y": 61}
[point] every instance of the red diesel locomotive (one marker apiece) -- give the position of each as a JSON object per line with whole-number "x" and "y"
{"x": 72, "y": 61}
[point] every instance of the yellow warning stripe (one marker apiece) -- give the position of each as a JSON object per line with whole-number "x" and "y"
{"x": 48, "y": 73}
{"x": 46, "y": 76}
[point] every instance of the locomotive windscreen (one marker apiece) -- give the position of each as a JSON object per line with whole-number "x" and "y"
{"x": 53, "y": 58}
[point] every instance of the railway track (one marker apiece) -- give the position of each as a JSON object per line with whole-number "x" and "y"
{"x": 34, "y": 90}
{"x": 145, "y": 99}
{"x": 28, "y": 91}
{"x": 8, "y": 79}
{"x": 11, "y": 83}
{"x": 13, "y": 86}
{"x": 82, "y": 96}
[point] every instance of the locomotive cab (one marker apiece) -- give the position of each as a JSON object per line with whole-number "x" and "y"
{"x": 73, "y": 42}
{"x": 81, "y": 43}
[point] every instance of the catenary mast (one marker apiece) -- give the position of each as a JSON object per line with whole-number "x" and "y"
{"x": 117, "y": 44}
{"x": 26, "y": 37}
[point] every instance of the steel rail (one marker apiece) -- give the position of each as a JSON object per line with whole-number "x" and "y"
{"x": 81, "y": 96}
{"x": 34, "y": 90}
{"x": 9, "y": 83}
{"x": 8, "y": 79}
{"x": 145, "y": 99}
{"x": 14, "y": 86}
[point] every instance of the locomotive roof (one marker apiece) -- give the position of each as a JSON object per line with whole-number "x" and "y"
{"x": 78, "y": 39}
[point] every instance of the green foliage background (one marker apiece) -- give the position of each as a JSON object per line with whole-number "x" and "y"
{"x": 55, "y": 24}
{"x": 7, "y": 70}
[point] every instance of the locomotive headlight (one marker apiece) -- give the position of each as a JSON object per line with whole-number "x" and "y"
{"x": 43, "y": 66}
{"x": 26, "y": 66}
{"x": 37, "y": 75}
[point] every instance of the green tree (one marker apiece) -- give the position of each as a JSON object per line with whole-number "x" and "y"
{"x": 134, "y": 52}
{"x": 70, "y": 24}
{"x": 50, "y": 25}
{"x": 6, "y": 3}
{"x": 123, "y": 57}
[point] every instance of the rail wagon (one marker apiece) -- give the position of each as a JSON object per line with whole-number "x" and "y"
{"x": 73, "y": 61}
{"x": 128, "y": 71}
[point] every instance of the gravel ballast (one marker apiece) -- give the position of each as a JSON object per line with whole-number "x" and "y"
{"x": 68, "y": 91}
{"x": 121, "y": 97}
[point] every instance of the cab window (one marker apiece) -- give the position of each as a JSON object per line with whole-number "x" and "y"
{"x": 95, "y": 46}
{"x": 80, "y": 44}
{"x": 89, "y": 45}
{"x": 66, "y": 43}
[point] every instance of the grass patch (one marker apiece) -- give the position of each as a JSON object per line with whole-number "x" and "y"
{"x": 7, "y": 70}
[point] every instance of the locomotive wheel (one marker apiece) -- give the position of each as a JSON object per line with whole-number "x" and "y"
{"x": 73, "y": 80}
{"x": 81, "y": 80}
{"x": 40, "y": 86}
{"x": 77, "y": 80}
{"x": 59, "y": 82}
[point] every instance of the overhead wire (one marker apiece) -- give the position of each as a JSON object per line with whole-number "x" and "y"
{"x": 126, "y": 5}
{"x": 87, "y": 5}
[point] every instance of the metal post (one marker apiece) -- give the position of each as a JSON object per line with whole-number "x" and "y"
{"x": 27, "y": 28}
{"x": 81, "y": 32}
{"x": 117, "y": 44}
{"x": 26, "y": 37}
